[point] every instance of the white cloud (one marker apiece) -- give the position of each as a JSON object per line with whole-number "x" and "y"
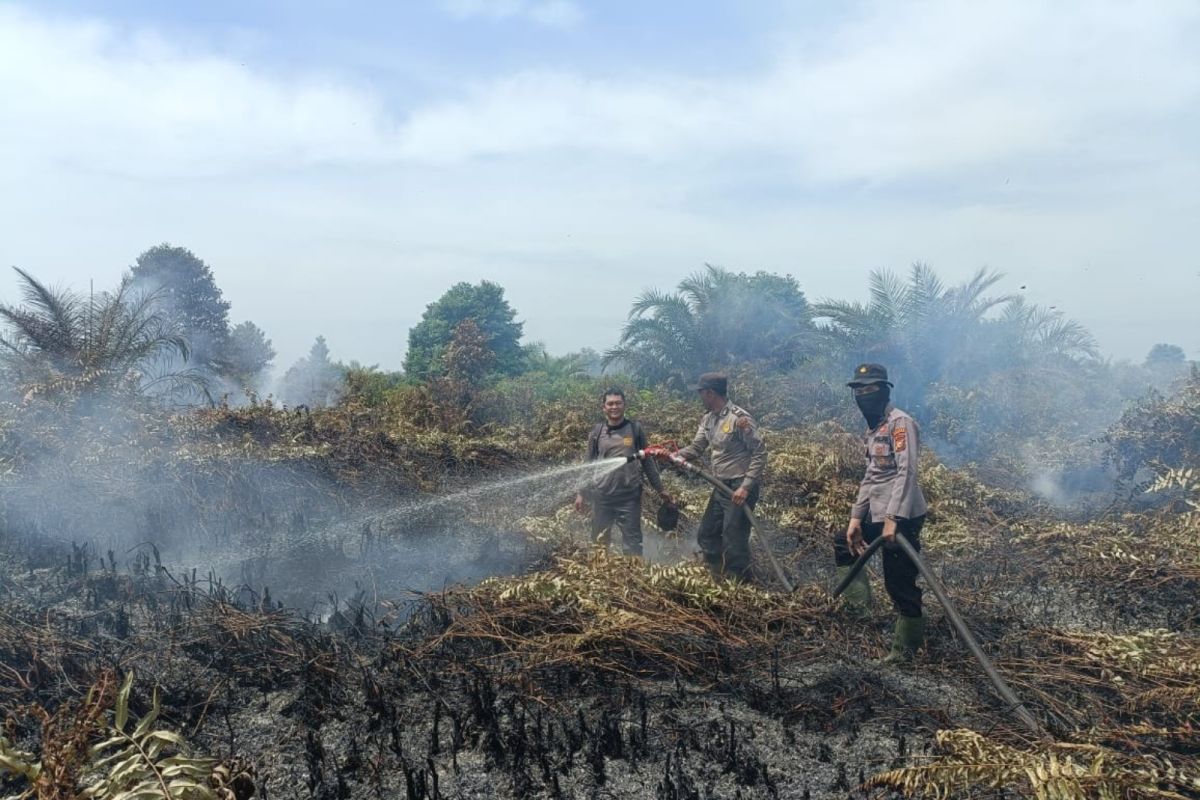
{"x": 907, "y": 91}
{"x": 92, "y": 97}
{"x": 551, "y": 13}
{"x": 549, "y": 180}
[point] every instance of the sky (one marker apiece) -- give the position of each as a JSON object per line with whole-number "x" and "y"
{"x": 340, "y": 165}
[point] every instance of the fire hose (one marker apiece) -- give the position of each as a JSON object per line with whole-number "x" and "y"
{"x": 669, "y": 455}
{"x": 1009, "y": 697}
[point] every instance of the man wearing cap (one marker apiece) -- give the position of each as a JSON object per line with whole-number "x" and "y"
{"x": 889, "y": 502}
{"x": 617, "y": 495}
{"x": 738, "y": 457}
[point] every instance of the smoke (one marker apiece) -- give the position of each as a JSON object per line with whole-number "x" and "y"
{"x": 1047, "y": 485}
{"x": 110, "y": 489}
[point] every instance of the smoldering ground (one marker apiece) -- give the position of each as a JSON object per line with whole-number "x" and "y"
{"x": 591, "y": 676}
{"x": 288, "y": 532}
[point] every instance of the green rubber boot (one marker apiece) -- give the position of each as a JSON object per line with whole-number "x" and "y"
{"x": 858, "y": 594}
{"x": 907, "y": 637}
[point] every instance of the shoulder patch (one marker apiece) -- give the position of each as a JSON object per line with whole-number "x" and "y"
{"x": 900, "y": 437}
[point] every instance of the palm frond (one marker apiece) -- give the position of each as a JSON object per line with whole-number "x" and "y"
{"x": 60, "y": 308}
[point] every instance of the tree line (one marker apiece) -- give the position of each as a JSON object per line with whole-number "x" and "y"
{"x": 968, "y": 361}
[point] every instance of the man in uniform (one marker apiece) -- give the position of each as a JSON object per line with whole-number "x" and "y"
{"x": 617, "y": 496}
{"x": 889, "y": 503}
{"x": 738, "y": 457}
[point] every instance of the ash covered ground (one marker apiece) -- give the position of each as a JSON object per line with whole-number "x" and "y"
{"x": 356, "y": 634}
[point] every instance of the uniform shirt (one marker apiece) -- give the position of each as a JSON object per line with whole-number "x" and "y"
{"x": 737, "y": 451}
{"x": 624, "y": 482}
{"x": 890, "y": 486}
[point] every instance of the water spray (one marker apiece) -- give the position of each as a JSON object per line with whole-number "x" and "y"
{"x": 669, "y": 454}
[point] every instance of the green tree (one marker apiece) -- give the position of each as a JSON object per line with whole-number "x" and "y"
{"x": 1166, "y": 355}
{"x": 248, "y": 356}
{"x": 186, "y": 295}
{"x": 1160, "y": 431}
{"x": 314, "y": 380}
{"x": 59, "y": 341}
{"x": 370, "y": 385}
{"x": 485, "y": 305}
{"x": 550, "y": 367}
{"x": 715, "y": 319}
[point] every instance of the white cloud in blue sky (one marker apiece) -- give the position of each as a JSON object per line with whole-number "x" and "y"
{"x": 552, "y": 13}
{"x": 340, "y": 168}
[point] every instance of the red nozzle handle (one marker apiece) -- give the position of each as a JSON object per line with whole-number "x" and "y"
{"x": 658, "y": 451}
{"x": 667, "y": 452}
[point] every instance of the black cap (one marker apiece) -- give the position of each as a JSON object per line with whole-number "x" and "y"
{"x": 717, "y": 381}
{"x": 866, "y": 374}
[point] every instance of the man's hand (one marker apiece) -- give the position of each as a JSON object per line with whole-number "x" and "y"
{"x": 666, "y": 498}
{"x": 889, "y": 530}
{"x": 854, "y": 538}
{"x": 739, "y": 496}
{"x": 580, "y": 506}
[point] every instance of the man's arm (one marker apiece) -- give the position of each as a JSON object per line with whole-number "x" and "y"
{"x": 907, "y": 449}
{"x": 650, "y": 469}
{"x": 699, "y": 444}
{"x": 758, "y": 451}
{"x": 862, "y": 504}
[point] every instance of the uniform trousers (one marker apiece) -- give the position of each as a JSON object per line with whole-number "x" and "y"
{"x": 626, "y": 514}
{"x": 724, "y": 534}
{"x": 899, "y": 572}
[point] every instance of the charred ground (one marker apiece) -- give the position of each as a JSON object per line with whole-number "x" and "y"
{"x": 572, "y": 673}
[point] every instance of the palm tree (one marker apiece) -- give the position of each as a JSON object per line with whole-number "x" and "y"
{"x": 59, "y": 341}
{"x": 1046, "y": 334}
{"x": 920, "y": 328}
{"x": 927, "y": 333}
{"x": 715, "y": 319}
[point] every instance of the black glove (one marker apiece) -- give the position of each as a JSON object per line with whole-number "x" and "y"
{"x": 668, "y": 517}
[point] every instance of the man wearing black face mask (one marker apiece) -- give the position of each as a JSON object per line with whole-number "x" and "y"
{"x": 889, "y": 503}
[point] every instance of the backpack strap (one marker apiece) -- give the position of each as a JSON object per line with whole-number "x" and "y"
{"x": 639, "y": 435}
{"x": 594, "y": 442}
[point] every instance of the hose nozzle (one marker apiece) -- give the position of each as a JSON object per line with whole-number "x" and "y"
{"x": 666, "y": 453}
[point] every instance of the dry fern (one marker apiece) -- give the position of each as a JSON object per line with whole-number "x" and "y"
{"x": 1058, "y": 771}
{"x": 135, "y": 762}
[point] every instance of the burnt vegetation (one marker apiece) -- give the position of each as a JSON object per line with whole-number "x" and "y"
{"x": 253, "y": 599}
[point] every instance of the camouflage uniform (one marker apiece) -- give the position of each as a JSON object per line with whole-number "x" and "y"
{"x": 737, "y": 456}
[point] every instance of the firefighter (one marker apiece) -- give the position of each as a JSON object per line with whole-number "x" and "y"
{"x": 889, "y": 504}
{"x": 738, "y": 458}
{"x": 617, "y": 496}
